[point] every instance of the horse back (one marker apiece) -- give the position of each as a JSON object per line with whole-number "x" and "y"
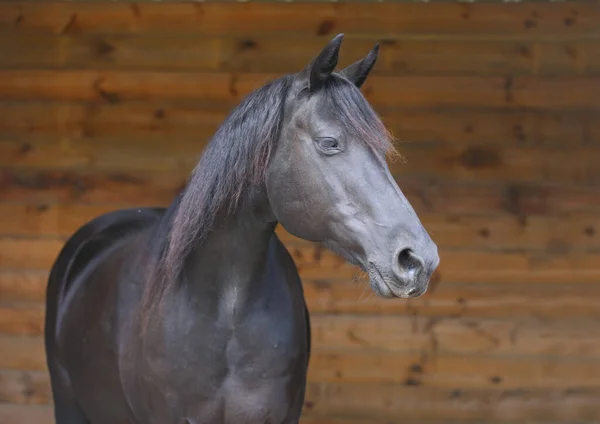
{"x": 84, "y": 245}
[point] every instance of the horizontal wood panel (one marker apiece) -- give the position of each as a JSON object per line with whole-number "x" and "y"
{"x": 576, "y": 231}
{"x": 376, "y": 401}
{"x": 25, "y": 388}
{"x": 427, "y": 195}
{"x": 224, "y": 88}
{"x": 566, "y": 338}
{"x": 424, "y": 368}
{"x": 273, "y": 54}
{"x": 391, "y": 19}
{"x": 568, "y": 404}
{"x": 540, "y": 300}
{"x": 22, "y": 320}
{"x": 154, "y": 122}
{"x": 470, "y": 266}
{"x": 26, "y": 414}
{"x": 464, "y": 163}
{"x": 32, "y": 387}
{"x": 44, "y": 414}
{"x": 315, "y": 262}
{"x": 23, "y": 286}
{"x": 22, "y": 353}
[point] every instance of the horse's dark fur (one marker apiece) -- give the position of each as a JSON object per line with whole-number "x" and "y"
{"x": 195, "y": 313}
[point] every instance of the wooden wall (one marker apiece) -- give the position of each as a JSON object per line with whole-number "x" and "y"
{"x": 108, "y": 104}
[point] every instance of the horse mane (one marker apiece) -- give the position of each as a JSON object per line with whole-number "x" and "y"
{"x": 237, "y": 157}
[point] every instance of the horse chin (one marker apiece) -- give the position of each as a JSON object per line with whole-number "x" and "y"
{"x": 385, "y": 289}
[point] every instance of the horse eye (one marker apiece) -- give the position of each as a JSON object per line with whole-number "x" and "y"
{"x": 328, "y": 143}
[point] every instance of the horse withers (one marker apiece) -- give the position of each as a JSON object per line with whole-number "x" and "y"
{"x": 195, "y": 313}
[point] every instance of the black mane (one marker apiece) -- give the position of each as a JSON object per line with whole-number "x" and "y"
{"x": 237, "y": 157}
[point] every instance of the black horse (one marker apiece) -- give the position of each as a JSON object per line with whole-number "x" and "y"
{"x": 196, "y": 313}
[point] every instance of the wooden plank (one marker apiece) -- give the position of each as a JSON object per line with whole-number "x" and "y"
{"x": 22, "y": 353}
{"x": 470, "y": 266}
{"x": 22, "y": 320}
{"x": 505, "y": 127}
{"x": 44, "y": 414}
{"x": 26, "y": 414}
{"x": 154, "y": 122}
{"x": 315, "y": 262}
{"x": 25, "y": 388}
{"x": 540, "y": 300}
{"x": 272, "y": 54}
{"x": 574, "y": 338}
{"x": 427, "y": 195}
{"x": 383, "y": 91}
{"x": 448, "y": 401}
{"x": 23, "y": 286}
{"x": 114, "y": 187}
{"x": 465, "y": 372}
{"x": 461, "y": 163}
{"x": 422, "y": 368}
{"x": 377, "y": 401}
{"x": 137, "y": 122}
{"x": 385, "y": 19}
{"x": 112, "y": 155}
{"x": 312, "y": 419}
{"x": 575, "y": 231}
{"x": 494, "y": 163}
{"x": 29, "y": 253}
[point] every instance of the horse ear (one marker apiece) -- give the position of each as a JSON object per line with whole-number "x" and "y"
{"x": 324, "y": 64}
{"x": 359, "y": 71}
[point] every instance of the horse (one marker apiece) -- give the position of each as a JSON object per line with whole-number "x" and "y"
{"x": 195, "y": 313}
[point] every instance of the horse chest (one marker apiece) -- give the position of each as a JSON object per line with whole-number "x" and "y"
{"x": 244, "y": 365}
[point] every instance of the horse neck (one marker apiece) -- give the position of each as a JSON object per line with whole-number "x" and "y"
{"x": 232, "y": 257}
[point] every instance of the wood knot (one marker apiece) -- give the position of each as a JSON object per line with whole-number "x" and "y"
{"x": 25, "y": 148}
{"x": 496, "y": 379}
{"x": 102, "y": 48}
{"x": 412, "y": 382}
{"x": 247, "y": 45}
{"x": 325, "y": 27}
{"x": 417, "y": 368}
{"x": 479, "y": 157}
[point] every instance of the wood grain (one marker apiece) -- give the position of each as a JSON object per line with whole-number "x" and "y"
{"x": 427, "y": 195}
{"x": 23, "y": 286}
{"x": 26, "y": 414}
{"x": 496, "y": 110}
{"x": 24, "y": 388}
{"x": 395, "y": 20}
{"x": 315, "y": 262}
{"x": 464, "y": 163}
{"x": 574, "y": 231}
{"x": 228, "y": 89}
{"x": 422, "y": 368}
{"x": 376, "y": 401}
{"x": 195, "y": 121}
{"x": 266, "y": 53}
{"x": 22, "y": 292}
{"x": 574, "y": 339}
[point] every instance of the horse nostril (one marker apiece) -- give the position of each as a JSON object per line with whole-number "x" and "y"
{"x": 411, "y": 292}
{"x": 409, "y": 262}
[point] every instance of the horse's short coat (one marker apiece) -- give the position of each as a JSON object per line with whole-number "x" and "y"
{"x": 195, "y": 313}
